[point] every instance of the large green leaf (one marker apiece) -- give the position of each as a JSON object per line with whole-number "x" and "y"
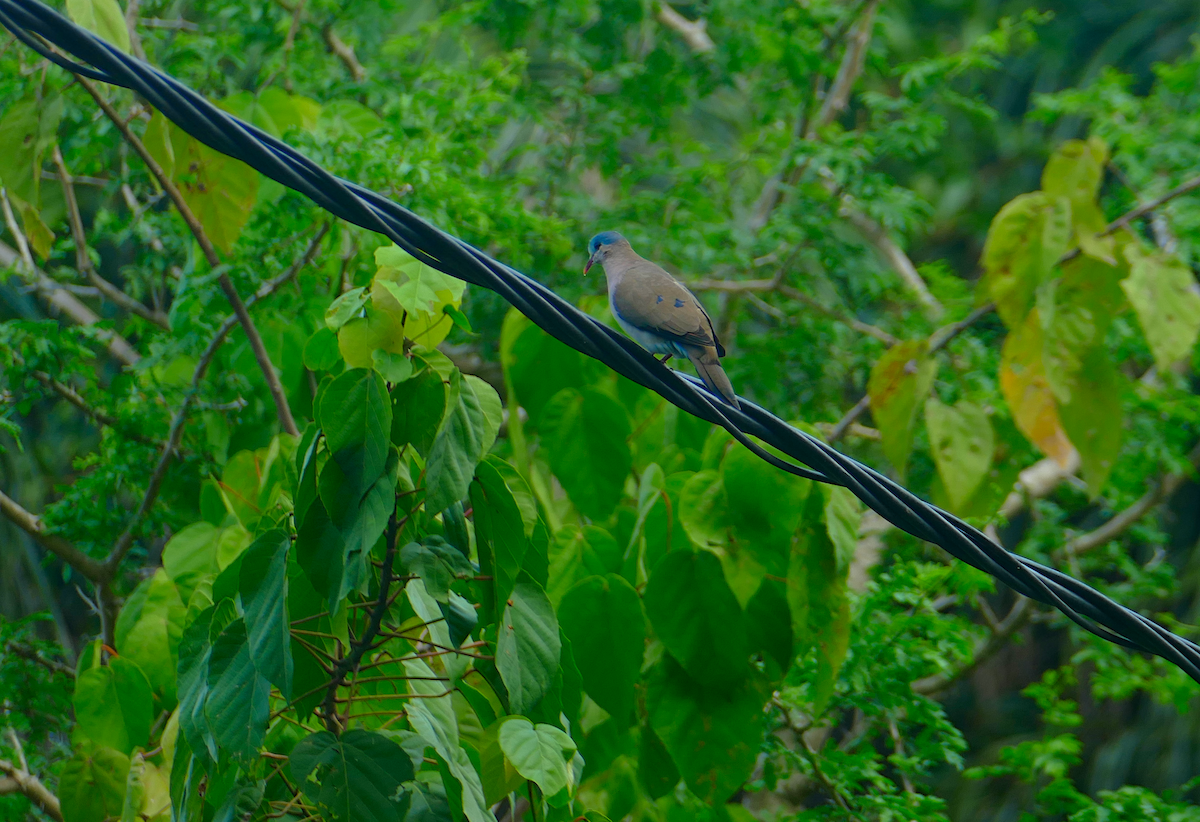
{"x": 540, "y": 753}
{"x": 148, "y": 631}
{"x": 264, "y": 592}
{"x": 195, "y": 652}
{"x": 418, "y": 405}
{"x": 697, "y": 617}
{"x": 114, "y": 705}
{"x": 321, "y": 552}
{"x": 102, "y": 17}
{"x": 1166, "y": 298}
{"x": 91, "y": 785}
{"x": 461, "y": 442}
{"x": 537, "y": 366}
{"x": 355, "y": 777}
{"x": 712, "y": 736}
{"x": 237, "y": 703}
{"x": 437, "y": 564}
{"x": 499, "y": 536}
{"x": 586, "y": 437}
{"x": 1093, "y": 418}
{"x": 356, "y": 415}
{"x": 900, "y": 381}
{"x": 962, "y": 443}
{"x": 527, "y": 651}
{"x": 602, "y": 616}
{"x": 816, "y": 588}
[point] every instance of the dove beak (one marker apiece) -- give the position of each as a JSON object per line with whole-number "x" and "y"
{"x": 588, "y": 267}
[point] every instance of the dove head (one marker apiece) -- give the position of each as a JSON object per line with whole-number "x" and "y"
{"x": 600, "y": 246}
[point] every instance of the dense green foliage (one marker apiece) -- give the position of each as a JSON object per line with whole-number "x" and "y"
{"x": 412, "y": 559}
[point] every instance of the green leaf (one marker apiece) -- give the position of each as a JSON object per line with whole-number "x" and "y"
{"x": 900, "y": 381}
{"x": 236, "y": 707}
{"x": 817, "y": 595}
{"x": 195, "y": 652}
{"x": 704, "y": 511}
{"x": 91, "y": 785}
{"x": 191, "y": 553}
{"x": 1026, "y": 239}
{"x": 602, "y": 616}
{"x": 697, "y": 617}
{"x": 437, "y": 564}
{"x": 1075, "y": 170}
{"x": 418, "y": 405}
{"x": 527, "y": 650}
{"x": 21, "y": 161}
{"x": 499, "y": 536}
{"x": 321, "y": 552}
{"x": 537, "y": 366}
{"x": 712, "y": 736}
{"x": 345, "y": 308}
{"x": 321, "y": 350}
{"x": 394, "y": 367}
{"x": 102, "y": 17}
{"x": 1093, "y": 418}
{"x": 587, "y": 440}
{"x": 148, "y": 631}
{"x": 962, "y": 443}
{"x": 459, "y": 445}
{"x": 656, "y": 770}
{"x": 264, "y": 593}
{"x": 769, "y": 622}
{"x": 1166, "y": 298}
{"x": 540, "y": 753}
{"x": 354, "y": 778}
{"x": 356, "y": 416}
{"x": 498, "y": 776}
{"x": 114, "y": 705}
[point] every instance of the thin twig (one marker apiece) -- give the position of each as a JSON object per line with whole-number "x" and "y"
{"x": 350, "y": 662}
{"x": 83, "y": 263}
{"x": 997, "y": 639}
{"x": 286, "y": 421}
{"x": 694, "y": 33}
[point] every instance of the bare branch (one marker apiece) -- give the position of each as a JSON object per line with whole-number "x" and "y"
{"x": 84, "y": 263}
{"x": 1158, "y": 492}
{"x": 55, "y": 295}
{"x": 878, "y": 236}
{"x": 848, "y": 71}
{"x": 344, "y": 52}
{"x": 74, "y": 398}
{"x": 28, "y": 652}
{"x": 32, "y": 524}
{"x": 286, "y": 421}
{"x": 21, "y": 781}
{"x": 694, "y": 33}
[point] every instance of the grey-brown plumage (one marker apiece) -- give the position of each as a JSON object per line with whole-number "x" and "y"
{"x": 659, "y": 312}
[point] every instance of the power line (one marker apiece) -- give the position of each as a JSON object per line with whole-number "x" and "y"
{"x": 29, "y": 19}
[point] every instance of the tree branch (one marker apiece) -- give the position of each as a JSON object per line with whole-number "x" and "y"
{"x": 22, "y": 781}
{"x": 350, "y": 662}
{"x": 32, "y": 524}
{"x": 1158, "y": 492}
{"x": 125, "y": 540}
{"x": 694, "y": 33}
{"x": 58, "y": 297}
{"x": 84, "y": 263}
{"x": 286, "y": 421}
{"x": 848, "y": 70}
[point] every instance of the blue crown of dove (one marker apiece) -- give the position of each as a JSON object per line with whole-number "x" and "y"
{"x": 603, "y": 238}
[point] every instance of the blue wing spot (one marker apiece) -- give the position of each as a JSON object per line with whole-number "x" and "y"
{"x": 678, "y": 303}
{"x": 660, "y": 298}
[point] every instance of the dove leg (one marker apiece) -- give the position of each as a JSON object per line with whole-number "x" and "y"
{"x": 665, "y": 357}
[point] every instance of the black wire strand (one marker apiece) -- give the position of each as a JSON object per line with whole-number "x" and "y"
{"x": 30, "y": 20}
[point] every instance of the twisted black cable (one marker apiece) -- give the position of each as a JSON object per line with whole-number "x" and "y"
{"x": 29, "y": 19}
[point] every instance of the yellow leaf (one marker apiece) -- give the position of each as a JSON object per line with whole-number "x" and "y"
{"x": 1024, "y": 243}
{"x": 1024, "y": 385}
{"x": 899, "y": 382}
{"x": 1166, "y": 298}
{"x": 102, "y": 17}
{"x": 41, "y": 238}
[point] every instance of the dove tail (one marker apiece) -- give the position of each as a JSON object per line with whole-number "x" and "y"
{"x": 709, "y": 368}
